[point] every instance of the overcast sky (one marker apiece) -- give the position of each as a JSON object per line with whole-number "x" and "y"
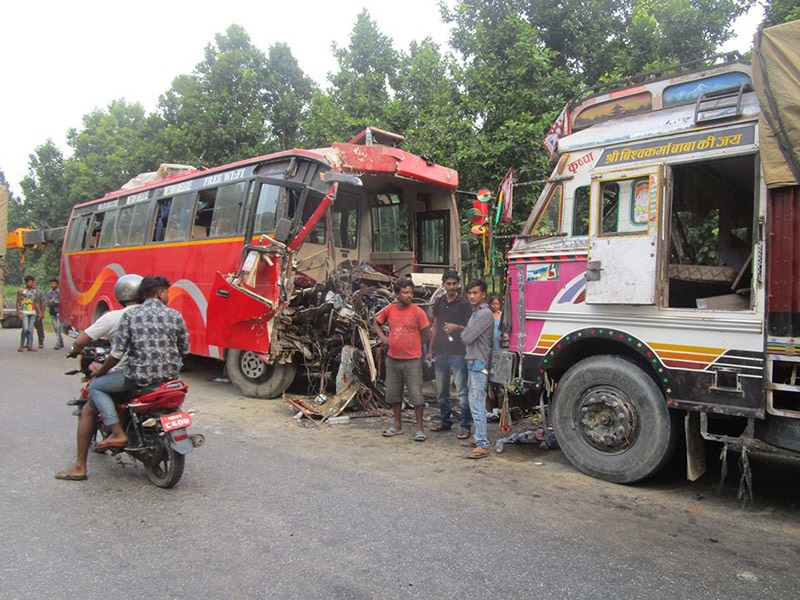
{"x": 61, "y": 60}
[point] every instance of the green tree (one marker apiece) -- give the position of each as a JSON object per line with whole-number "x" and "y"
{"x": 114, "y": 145}
{"x": 780, "y": 11}
{"x": 367, "y": 69}
{"x": 219, "y": 114}
{"x": 46, "y": 204}
{"x": 288, "y": 95}
{"x": 427, "y": 104}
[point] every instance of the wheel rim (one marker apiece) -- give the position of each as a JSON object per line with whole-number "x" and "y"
{"x": 606, "y": 419}
{"x": 253, "y": 368}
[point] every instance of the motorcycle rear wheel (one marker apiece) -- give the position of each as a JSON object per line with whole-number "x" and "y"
{"x": 166, "y": 468}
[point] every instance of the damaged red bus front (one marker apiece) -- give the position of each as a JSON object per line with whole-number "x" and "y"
{"x": 328, "y": 230}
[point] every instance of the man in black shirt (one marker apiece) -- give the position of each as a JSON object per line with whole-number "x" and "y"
{"x": 450, "y": 315}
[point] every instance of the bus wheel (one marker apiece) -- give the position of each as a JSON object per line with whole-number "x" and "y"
{"x": 257, "y": 379}
{"x": 611, "y": 420}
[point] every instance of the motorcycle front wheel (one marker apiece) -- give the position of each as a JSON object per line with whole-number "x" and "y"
{"x": 165, "y": 469}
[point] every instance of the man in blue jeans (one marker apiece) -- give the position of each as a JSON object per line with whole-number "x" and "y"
{"x": 450, "y": 315}
{"x": 477, "y": 337}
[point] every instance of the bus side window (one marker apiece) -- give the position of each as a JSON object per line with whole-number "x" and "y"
{"x": 77, "y": 235}
{"x": 205, "y": 210}
{"x": 97, "y": 227}
{"x": 133, "y": 224}
{"x": 179, "y": 222}
{"x": 227, "y": 207}
{"x": 162, "y": 217}
{"x": 107, "y": 234}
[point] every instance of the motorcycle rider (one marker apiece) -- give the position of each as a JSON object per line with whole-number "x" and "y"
{"x": 153, "y": 338}
{"x": 127, "y": 292}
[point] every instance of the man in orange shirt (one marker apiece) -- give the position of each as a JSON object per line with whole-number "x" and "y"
{"x": 409, "y": 328}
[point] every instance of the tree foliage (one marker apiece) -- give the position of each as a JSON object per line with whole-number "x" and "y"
{"x": 780, "y": 11}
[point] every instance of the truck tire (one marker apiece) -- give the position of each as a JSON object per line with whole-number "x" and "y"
{"x": 611, "y": 420}
{"x": 11, "y": 323}
{"x": 257, "y": 379}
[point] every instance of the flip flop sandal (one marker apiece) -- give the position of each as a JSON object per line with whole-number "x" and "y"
{"x": 391, "y": 432}
{"x": 440, "y": 427}
{"x": 479, "y": 452}
{"x": 464, "y": 435}
{"x": 64, "y": 476}
{"x": 419, "y": 437}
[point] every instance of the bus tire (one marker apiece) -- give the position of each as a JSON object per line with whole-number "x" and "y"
{"x": 257, "y": 379}
{"x": 611, "y": 420}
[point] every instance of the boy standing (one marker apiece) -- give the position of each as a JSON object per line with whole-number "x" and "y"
{"x": 30, "y": 307}
{"x": 409, "y": 328}
{"x": 51, "y": 301}
{"x": 477, "y": 337}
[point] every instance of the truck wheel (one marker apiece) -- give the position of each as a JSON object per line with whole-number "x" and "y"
{"x": 257, "y": 379}
{"x": 611, "y": 420}
{"x": 11, "y": 323}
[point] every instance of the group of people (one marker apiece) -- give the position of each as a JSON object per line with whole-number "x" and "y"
{"x": 148, "y": 342}
{"x": 459, "y": 341}
{"x": 31, "y": 305}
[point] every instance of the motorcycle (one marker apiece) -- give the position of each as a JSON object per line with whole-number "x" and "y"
{"x": 156, "y": 427}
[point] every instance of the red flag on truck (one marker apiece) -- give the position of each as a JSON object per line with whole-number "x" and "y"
{"x": 558, "y": 130}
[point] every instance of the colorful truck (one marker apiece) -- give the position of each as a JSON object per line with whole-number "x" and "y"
{"x": 654, "y": 287}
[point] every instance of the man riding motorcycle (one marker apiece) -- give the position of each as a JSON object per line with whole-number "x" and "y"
{"x": 105, "y": 327}
{"x": 152, "y": 339}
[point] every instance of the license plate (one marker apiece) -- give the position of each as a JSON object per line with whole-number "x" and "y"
{"x": 176, "y": 421}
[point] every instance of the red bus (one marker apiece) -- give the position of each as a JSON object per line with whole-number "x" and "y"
{"x": 273, "y": 259}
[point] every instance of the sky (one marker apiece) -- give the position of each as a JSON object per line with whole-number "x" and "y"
{"x": 61, "y": 60}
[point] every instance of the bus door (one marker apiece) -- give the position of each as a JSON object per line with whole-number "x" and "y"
{"x": 624, "y": 237}
{"x": 243, "y": 303}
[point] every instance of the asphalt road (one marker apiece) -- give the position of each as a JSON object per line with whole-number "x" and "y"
{"x": 269, "y": 509}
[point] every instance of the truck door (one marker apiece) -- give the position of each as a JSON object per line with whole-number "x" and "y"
{"x": 624, "y": 240}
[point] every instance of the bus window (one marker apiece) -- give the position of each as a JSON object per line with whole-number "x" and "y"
{"x": 107, "y": 238}
{"x": 227, "y": 206}
{"x": 267, "y": 209}
{"x": 95, "y": 229}
{"x": 179, "y": 222}
{"x": 391, "y": 224}
{"x": 76, "y": 237}
{"x": 345, "y": 221}
{"x": 580, "y": 212}
{"x": 133, "y": 225}
{"x": 433, "y": 238}
{"x": 162, "y": 216}
{"x": 205, "y": 210}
